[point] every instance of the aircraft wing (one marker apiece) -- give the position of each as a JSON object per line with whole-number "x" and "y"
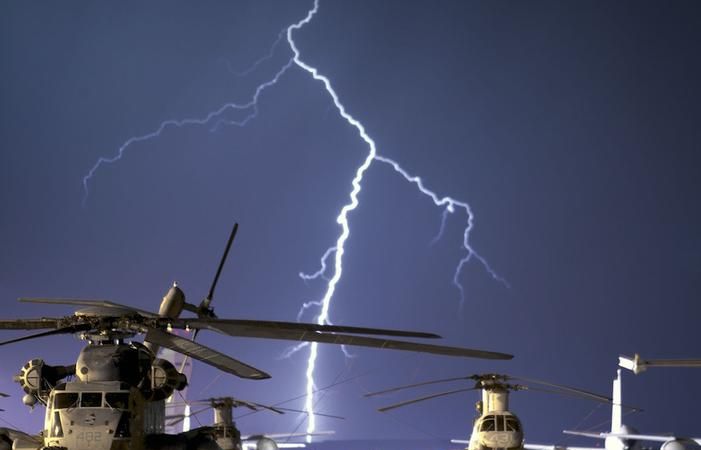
{"x": 658, "y": 438}
{"x": 637, "y": 437}
{"x": 588, "y": 434}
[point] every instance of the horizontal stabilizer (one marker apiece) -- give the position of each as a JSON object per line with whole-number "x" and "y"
{"x": 587, "y": 434}
{"x": 637, "y": 365}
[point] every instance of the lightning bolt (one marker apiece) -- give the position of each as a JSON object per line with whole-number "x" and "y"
{"x": 218, "y": 118}
{"x": 215, "y": 118}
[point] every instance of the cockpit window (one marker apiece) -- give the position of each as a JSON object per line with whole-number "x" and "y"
{"x": 65, "y": 400}
{"x": 487, "y": 424}
{"x": 512, "y": 424}
{"x": 91, "y": 400}
{"x": 117, "y": 400}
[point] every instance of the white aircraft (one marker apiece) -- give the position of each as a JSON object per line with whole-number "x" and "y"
{"x": 638, "y": 365}
{"x": 622, "y": 437}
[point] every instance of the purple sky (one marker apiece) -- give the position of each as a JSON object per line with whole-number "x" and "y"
{"x": 572, "y": 130}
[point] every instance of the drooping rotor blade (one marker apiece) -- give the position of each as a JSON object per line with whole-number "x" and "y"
{"x": 2, "y": 394}
{"x": 427, "y": 397}
{"x": 568, "y": 389}
{"x": 559, "y": 392}
{"x": 321, "y": 389}
{"x": 316, "y": 413}
{"x": 240, "y": 327}
{"x": 234, "y": 403}
{"x": 207, "y": 300}
{"x": 595, "y": 397}
{"x": 409, "y": 386}
{"x": 65, "y": 330}
{"x": 180, "y": 417}
{"x": 257, "y": 406}
{"x": 204, "y": 354}
{"x": 303, "y": 335}
{"x": 118, "y": 307}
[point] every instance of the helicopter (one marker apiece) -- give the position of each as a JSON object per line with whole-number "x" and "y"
{"x": 228, "y": 435}
{"x": 495, "y": 427}
{"x": 112, "y": 398}
{"x": 8, "y": 435}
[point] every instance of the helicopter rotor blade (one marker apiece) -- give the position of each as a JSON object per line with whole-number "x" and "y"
{"x": 207, "y": 300}
{"x": 258, "y": 406}
{"x": 29, "y": 324}
{"x": 2, "y": 394}
{"x": 595, "y": 397}
{"x": 568, "y": 389}
{"x": 303, "y": 335}
{"x": 322, "y": 389}
{"x": 409, "y": 386}
{"x": 204, "y": 354}
{"x": 241, "y": 327}
{"x": 65, "y": 330}
{"x": 316, "y": 413}
{"x": 427, "y": 397}
{"x": 203, "y": 310}
{"x": 180, "y": 417}
{"x": 234, "y": 403}
{"x": 88, "y": 302}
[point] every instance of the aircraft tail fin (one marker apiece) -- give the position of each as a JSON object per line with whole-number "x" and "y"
{"x": 616, "y": 408}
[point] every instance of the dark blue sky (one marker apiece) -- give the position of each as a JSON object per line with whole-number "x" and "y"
{"x": 572, "y": 129}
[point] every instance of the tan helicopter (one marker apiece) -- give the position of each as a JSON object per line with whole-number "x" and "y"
{"x": 228, "y": 435}
{"x": 112, "y": 398}
{"x": 495, "y": 427}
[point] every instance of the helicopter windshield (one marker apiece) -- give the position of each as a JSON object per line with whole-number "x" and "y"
{"x": 91, "y": 400}
{"x": 512, "y": 424}
{"x": 488, "y": 424}
{"x": 117, "y": 400}
{"x": 500, "y": 423}
{"x": 65, "y": 400}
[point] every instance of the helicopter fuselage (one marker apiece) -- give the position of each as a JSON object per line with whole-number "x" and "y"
{"x": 497, "y": 430}
{"x": 98, "y": 415}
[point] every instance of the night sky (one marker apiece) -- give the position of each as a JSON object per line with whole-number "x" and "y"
{"x": 571, "y": 128}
